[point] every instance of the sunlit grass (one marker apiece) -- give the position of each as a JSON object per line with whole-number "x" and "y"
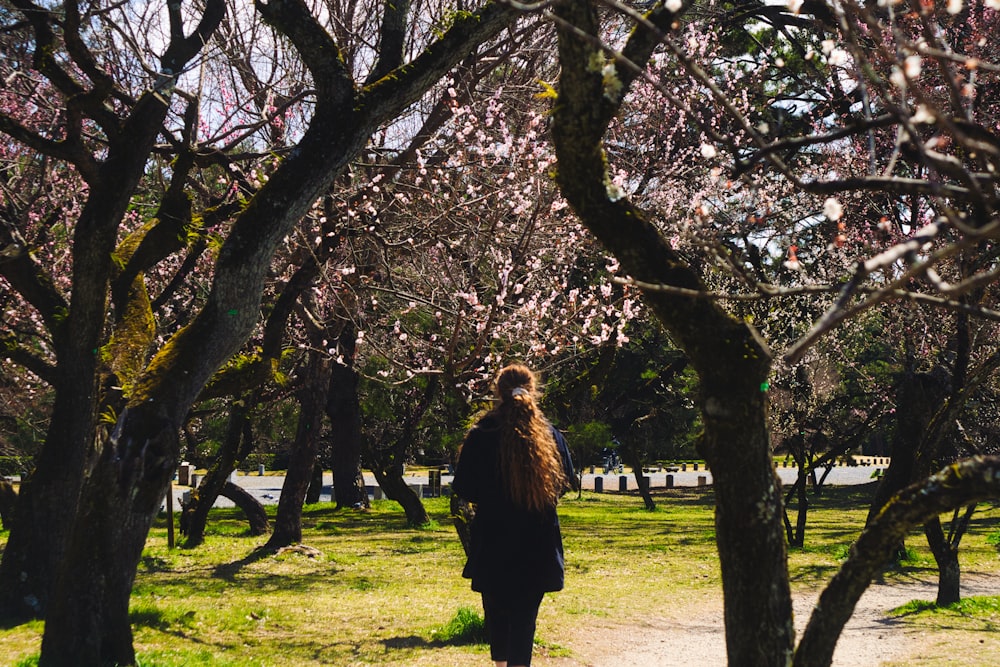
{"x": 384, "y": 593}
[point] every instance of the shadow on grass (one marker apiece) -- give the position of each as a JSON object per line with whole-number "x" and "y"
{"x": 228, "y": 571}
{"x": 411, "y": 642}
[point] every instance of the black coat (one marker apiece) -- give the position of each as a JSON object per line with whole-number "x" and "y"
{"x": 510, "y": 548}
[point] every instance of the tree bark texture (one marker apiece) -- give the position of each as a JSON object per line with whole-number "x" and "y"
{"x": 48, "y": 502}
{"x": 344, "y": 411}
{"x": 254, "y": 511}
{"x": 730, "y": 359}
{"x": 312, "y": 401}
{"x": 963, "y": 483}
{"x": 234, "y": 448}
{"x": 946, "y": 558}
{"x": 88, "y": 623}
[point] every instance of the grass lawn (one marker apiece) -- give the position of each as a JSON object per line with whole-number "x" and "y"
{"x": 383, "y": 593}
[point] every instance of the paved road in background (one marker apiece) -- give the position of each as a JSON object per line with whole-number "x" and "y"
{"x": 267, "y": 488}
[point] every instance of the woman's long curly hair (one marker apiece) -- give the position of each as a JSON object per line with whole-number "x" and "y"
{"x": 530, "y": 464}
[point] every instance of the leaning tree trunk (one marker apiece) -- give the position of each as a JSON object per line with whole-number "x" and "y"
{"x": 390, "y": 478}
{"x": 315, "y": 490}
{"x": 387, "y": 465}
{"x": 963, "y": 483}
{"x": 234, "y": 448}
{"x": 731, "y": 361}
{"x": 632, "y": 459}
{"x": 312, "y": 399}
{"x": 255, "y": 513}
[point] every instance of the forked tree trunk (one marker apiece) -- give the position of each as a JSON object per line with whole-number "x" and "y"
{"x": 88, "y": 622}
{"x": 946, "y": 557}
{"x": 234, "y": 447}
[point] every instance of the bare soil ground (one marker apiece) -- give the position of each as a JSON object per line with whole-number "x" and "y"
{"x": 693, "y": 637}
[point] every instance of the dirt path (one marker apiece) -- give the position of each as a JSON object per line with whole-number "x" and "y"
{"x": 696, "y": 637}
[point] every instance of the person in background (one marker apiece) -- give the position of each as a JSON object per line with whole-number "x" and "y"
{"x": 513, "y": 466}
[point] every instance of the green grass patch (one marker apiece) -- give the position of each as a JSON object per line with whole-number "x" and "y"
{"x": 465, "y": 627}
{"x": 384, "y": 593}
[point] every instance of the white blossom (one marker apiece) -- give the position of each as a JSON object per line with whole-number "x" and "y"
{"x": 832, "y": 209}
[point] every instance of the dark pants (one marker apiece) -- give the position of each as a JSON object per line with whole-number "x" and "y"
{"x": 510, "y": 622}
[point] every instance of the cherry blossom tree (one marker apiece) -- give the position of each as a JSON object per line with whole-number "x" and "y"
{"x": 786, "y": 127}
{"x": 105, "y": 127}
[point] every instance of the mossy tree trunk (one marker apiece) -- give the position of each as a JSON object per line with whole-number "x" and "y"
{"x": 88, "y": 621}
{"x": 47, "y": 504}
{"x": 731, "y": 361}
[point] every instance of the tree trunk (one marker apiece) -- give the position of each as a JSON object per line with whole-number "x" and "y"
{"x": 731, "y": 361}
{"x": 312, "y": 399}
{"x": 344, "y": 411}
{"x": 8, "y": 499}
{"x": 946, "y": 557}
{"x": 395, "y": 488}
{"x": 315, "y": 490}
{"x": 87, "y": 622}
{"x": 47, "y": 502}
{"x": 968, "y": 481}
{"x": 796, "y": 535}
{"x": 254, "y": 511}
{"x": 634, "y": 461}
{"x": 235, "y": 447}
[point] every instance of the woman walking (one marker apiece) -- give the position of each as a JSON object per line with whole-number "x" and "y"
{"x": 513, "y": 466}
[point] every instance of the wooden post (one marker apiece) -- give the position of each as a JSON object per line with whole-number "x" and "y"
{"x": 170, "y": 515}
